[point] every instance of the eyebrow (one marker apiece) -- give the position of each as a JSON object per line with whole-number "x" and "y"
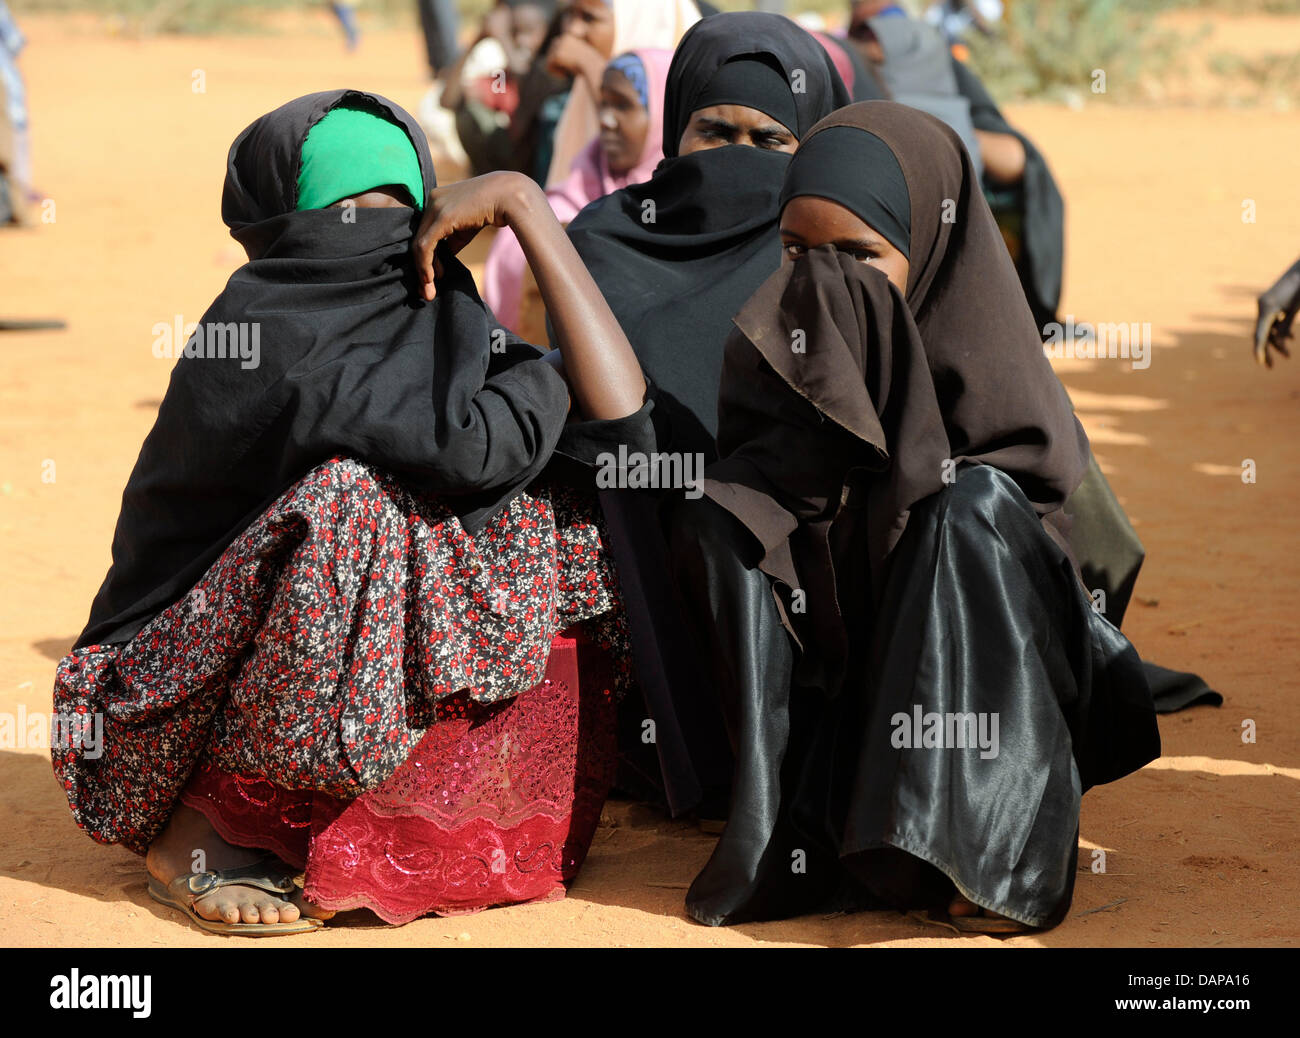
{"x": 856, "y": 243}
{"x": 771, "y": 130}
{"x": 712, "y": 122}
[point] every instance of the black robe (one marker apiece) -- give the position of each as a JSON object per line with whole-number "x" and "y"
{"x": 350, "y": 361}
{"x": 676, "y": 258}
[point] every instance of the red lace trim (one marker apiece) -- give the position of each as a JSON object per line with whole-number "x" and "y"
{"x": 494, "y": 806}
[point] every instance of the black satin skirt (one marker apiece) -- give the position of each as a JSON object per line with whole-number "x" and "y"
{"x": 673, "y": 748}
{"x": 984, "y": 699}
{"x": 1110, "y": 556}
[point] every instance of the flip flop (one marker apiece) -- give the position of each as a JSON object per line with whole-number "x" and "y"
{"x": 268, "y": 874}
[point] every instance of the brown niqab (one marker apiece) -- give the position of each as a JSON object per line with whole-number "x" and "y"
{"x": 892, "y": 391}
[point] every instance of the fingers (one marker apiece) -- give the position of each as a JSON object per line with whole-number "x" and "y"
{"x": 1263, "y": 331}
{"x": 424, "y": 249}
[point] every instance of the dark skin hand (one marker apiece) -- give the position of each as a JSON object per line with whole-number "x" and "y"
{"x": 720, "y": 125}
{"x": 1003, "y": 155}
{"x": 594, "y": 355}
{"x": 586, "y": 43}
{"x": 1275, "y": 328}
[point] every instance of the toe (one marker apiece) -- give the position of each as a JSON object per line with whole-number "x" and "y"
{"x": 249, "y": 913}
{"x": 310, "y": 910}
{"x": 223, "y": 910}
{"x": 288, "y": 911}
{"x": 268, "y": 912}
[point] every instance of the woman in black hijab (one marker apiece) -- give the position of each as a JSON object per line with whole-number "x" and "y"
{"x": 675, "y": 258}
{"x": 336, "y": 539}
{"x": 896, "y": 455}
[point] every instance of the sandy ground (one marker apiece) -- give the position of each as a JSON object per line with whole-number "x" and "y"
{"x": 1201, "y": 846}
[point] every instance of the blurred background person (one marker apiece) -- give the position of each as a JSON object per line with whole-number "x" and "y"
{"x": 15, "y": 147}
{"x": 913, "y": 64}
{"x": 956, "y": 18}
{"x": 628, "y": 149}
{"x": 441, "y": 25}
{"x": 484, "y": 87}
{"x": 346, "y": 13}
{"x": 592, "y": 32}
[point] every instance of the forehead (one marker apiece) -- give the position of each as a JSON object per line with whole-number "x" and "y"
{"x": 592, "y": 8}
{"x": 821, "y": 220}
{"x": 615, "y": 80}
{"x": 737, "y": 115}
{"x": 528, "y": 16}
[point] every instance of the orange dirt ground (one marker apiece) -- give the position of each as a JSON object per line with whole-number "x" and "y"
{"x": 1201, "y": 845}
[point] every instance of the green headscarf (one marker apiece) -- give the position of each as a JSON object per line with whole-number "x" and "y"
{"x": 351, "y": 151}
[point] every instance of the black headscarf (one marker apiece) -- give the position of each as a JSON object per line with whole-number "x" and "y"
{"x": 890, "y": 390}
{"x": 677, "y": 256}
{"x": 351, "y": 361}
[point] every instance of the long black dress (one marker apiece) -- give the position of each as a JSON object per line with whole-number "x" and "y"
{"x": 943, "y": 692}
{"x": 675, "y": 258}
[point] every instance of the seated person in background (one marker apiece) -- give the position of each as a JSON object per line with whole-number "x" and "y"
{"x": 592, "y": 32}
{"x": 485, "y": 87}
{"x": 627, "y": 151}
{"x": 914, "y": 66}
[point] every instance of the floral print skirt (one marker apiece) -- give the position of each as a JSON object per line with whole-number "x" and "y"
{"x": 376, "y": 695}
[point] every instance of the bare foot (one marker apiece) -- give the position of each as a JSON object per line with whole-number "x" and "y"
{"x": 960, "y": 905}
{"x": 172, "y": 854}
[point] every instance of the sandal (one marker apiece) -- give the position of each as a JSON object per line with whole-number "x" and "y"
{"x": 988, "y": 924}
{"x": 985, "y": 924}
{"x": 269, "y": 874}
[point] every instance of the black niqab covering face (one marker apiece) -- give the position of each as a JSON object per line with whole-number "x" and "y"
{"x": 677, "y": 256}
{"x": 350, "y": 361}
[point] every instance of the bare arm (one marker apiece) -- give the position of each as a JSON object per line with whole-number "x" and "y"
{"x": 603, "y": 373}
{"x": 1003, "y": 154}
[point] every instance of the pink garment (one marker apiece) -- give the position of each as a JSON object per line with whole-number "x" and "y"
{"x": 589, "y": 178}
{"x": 839, "y": 59}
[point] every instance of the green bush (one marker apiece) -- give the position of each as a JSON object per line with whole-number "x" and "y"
{"x": 1054, "y": 49}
